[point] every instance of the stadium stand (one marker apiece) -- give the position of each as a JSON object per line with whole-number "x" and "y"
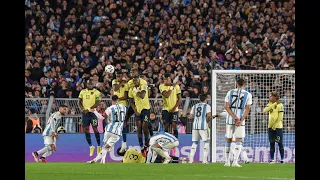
{"x": 70, "y": 41}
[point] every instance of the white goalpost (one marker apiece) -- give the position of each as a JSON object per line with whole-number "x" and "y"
{"x": 259, "y": 83}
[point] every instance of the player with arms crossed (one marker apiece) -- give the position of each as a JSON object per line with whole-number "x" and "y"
{"x": 171, "y": 95}
{"x": 50, "y": 135}
{"x": 89, "y": 99}
{"x": 116, "y": 115}
{"x": 237, "y": 104}
{"x": 160, "y": 144}
{"x": 201, "y": 115}
{"x": 121, "y": 88}
{"x": 275, "y": 125}
{"x": 139, "y": 100}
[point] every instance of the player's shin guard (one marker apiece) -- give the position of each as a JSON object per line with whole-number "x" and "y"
{"x": 101, "y": 154}
{"x": 154, "y": 156}
{"x": 272, "y": 150}
{"x": 237, "y": 151}
{"x": 124, "y": 134}
{"x": 227, "y": 150}
{"x": 193, "y": 151}
{"x": 88, "y": 138}
{"x": 281, "y": 149}
{"x": 231, "y": 152}
{"x": 205, "y": 152}
{"x": 140, "y": 142}
{"x": 175, "y": 133}
{"x": 97, "y": 134}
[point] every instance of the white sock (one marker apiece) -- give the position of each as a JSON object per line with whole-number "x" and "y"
{"x": 154, "y": 156}
{"x": 227, "y": 149}
{"x": 43, "y": 150}
{"x": 101, "y": 154}
{"x": 205, "y": 152}
{"x": 192, "y": 152}
{"x": 124, "y": 144}
{"x": 231, "y": 153}
{"x": 46, "y": 154}
{"x": 244, "y": 154}
{"x": 149, "y": 155}
{"x": 237, "y": 151}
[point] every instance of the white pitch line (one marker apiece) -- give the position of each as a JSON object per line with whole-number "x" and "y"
{"x": 245, "y": 177}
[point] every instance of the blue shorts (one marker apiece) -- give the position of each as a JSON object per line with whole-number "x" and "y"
{"x": 275, "y": 135}
{"x": 144, "y": 115}
{"x": 89, "y": 118}
{"x": 169, "y": 117}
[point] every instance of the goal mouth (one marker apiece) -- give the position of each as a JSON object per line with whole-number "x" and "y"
{"x": 260, "y": 83}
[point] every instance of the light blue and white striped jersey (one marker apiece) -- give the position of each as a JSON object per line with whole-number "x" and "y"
{"x": 116, "y": 116}
{"x": 52, "y": 124}
{"x": 164, "y": 137}
{"x": 238, "y": 99}
{"x": 199, "y": 112}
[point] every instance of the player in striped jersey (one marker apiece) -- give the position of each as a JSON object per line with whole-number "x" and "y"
{"x": 201, "y": 113}
{"x": 237, "y": 104}
{"x": 160, "y": 144}
{"x": 50, "y": 134}
{"x": 116, "y": 115}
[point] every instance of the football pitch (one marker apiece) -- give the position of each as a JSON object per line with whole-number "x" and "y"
{"x": 83, "y": 171}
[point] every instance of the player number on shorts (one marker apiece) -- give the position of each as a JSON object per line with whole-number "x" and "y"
{"x": 198, "y": 113}
{"x": 235, "y": 99}
{"x": 122, "y": 115}
{"x": 133, "y": 156}
{"x": 175, "y": 118}
{"x": 94, "y": 122}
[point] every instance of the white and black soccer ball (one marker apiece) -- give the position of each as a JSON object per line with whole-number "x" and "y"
{"x": 109, "y": 69}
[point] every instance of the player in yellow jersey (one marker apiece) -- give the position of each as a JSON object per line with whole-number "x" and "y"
{"x": 171, "y": 95}
{"x": 121, "y": 88}
{"x": 139, "y": 100}
{"x": 89, "y": 99}
{"x": 275, "y": 110}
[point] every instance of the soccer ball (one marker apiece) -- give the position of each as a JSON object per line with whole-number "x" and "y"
{"x": 109, "y": 69}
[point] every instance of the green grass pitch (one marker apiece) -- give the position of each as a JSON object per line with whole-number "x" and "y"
{"x": 109, "y": 171}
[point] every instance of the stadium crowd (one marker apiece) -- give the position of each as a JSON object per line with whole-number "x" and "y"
{"x": 69, "y": 41}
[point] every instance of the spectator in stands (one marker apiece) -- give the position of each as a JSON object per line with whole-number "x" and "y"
{"x": 32, "y": 121}
{"x": 68, "y": 42}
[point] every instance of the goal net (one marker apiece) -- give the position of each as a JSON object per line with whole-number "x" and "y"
{"x": 259, "y": 83}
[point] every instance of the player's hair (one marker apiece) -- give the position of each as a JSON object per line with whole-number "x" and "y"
{"x": 275, "y": 94}
{"x": 63, "y": 105}
{"x": 114, "y": 98}
{"x": 241, "y": 82}
{"x": 203, "y": 97}
{"x": 90, "y": 81}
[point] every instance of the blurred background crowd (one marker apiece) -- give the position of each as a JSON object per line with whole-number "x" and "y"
{"x": 70, "y": 41}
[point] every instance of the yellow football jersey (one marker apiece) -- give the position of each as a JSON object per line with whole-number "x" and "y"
{"x": 170, "y": 102}
{"x": 139, "y": 102}
{"x": 133, "y": 156}
{"x": 89, "y": 97}
{"x": 275, "y": 115}
{"x": 121, "y": 91}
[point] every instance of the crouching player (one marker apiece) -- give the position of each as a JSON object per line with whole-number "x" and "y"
{"x": 160, "y": 144}
{"x": 133, "y": 156}
{"x": 116, "y": 115}
{"x": 50, "y": 135}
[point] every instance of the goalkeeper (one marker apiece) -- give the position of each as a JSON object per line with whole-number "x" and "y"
{"x": 133, "y": 156}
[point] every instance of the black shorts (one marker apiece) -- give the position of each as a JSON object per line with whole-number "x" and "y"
{"x": 275, "y": 135}
{"x": 89, "y": 118}
{"x": 169, "y": 117}
{"x": 144, "y": 116}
